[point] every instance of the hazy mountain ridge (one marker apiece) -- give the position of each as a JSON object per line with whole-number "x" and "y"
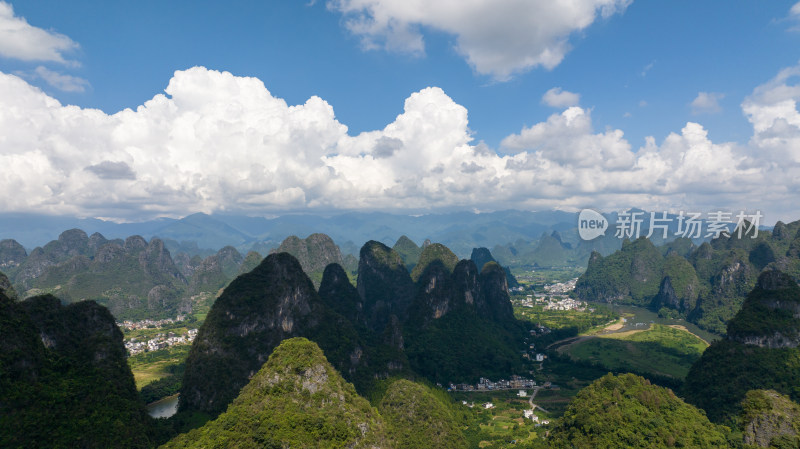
{"x": 461, "y": 231}
{"x": 135, "y": 278}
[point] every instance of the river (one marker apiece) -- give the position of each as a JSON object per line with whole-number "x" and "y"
{"x": 163, "y": 408}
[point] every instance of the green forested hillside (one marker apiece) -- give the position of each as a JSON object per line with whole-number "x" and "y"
{"x": 706, "y": 285}
{"x": 64, "y": 380}
{"x": 298, "y": 400}
{"x": 761, "y": 352}
{"x": 416, "y": 419}
{"x": 626, "y": 411}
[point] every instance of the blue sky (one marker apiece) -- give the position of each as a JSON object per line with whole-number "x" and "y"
{"x": 628, "y": 70}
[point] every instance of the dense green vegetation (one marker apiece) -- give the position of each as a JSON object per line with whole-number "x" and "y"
{"x": 431, "y": 253}
{"x": 706, "y": 285}
{"x": 417, "y": 419}
{"x": 728, "y": 370}
{"x": 461, "y": 324}
{"x": 761, "y": 352}
{"x": 482, "y": 256}
{"x": 627, "y": 411}
{"x": 384, "y": 285}
{"x": 769, "y": 310}
{"x": 455, "y": 324}
{"x": 501, "y": 427}
{"x": 75, "y": 391}
{"x": 462, "y": 347}
{"x": 134, "y": 278}
{"x": 295, "y": 400}
{"x": 408, "y": 251}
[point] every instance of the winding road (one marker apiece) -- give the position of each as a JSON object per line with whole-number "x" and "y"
{"x": 530, "y": 401}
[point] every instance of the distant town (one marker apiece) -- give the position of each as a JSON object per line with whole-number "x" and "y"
{"x": 485, "y": 384}
{"x": 161, "y": 340}
{"x": 555, "y": 298}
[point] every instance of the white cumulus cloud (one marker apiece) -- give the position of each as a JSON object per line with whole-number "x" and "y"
{"x": 218, "y": 142}
{"x": 497, "y": 37}
{"x": 558, "y": 98}
{"x": 772, "y": 108}
{"x": 20, "y": 40}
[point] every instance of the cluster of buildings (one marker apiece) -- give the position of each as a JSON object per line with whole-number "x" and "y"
{"x": 532, "y": 416}
{"x": 561, "y": 288}
{"x": 564, "y": 303}
{"x": 161, "y": 341}
{"x": 485, "y": 384}
{"x": 149, "y": 324}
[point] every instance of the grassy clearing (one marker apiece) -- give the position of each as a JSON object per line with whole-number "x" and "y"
{"x": 581, "y": 321}
{"x": 151, "y": 366}
{"x": 660, "y": 350}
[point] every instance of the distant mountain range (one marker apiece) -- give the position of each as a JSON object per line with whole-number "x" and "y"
{"x": 517, "y": 239}
{"x": 461, "y": 231}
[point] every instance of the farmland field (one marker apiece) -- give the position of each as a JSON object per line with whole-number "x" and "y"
{"x": 661, "y": 350}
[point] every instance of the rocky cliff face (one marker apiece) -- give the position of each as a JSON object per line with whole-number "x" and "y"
{"x": 770, "y": 316}
{"x": 461, "y": 324}
{"x": 12, "y": 254}
{"x": 314, "y": 253}
{"x": 253, "y": 315}
{"x": 384, "y": 285}
{"x": 494, "y": 299}
{"x": 439, "y": 292}
{"x": 482, "y": 256}
{"x": 6, "y": 288}
{"x": 131, "y": 276}
{"x": 770, "y": 419}
{"x": 230, "y": 260}
{"x": 338, "y": 293}
{"x": 436, "y": 294}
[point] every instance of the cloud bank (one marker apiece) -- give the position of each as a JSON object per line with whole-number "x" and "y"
{"x": 497, "y": 37}
{"x": 20, "y": 40}
{"x": 218, "y": 142}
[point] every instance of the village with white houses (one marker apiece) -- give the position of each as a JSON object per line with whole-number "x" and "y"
{"x": 162, "y": 340}
{"x": 516, "y": 383}
{"x": 555, "y": 297}
{"x": 484, "y": 384}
